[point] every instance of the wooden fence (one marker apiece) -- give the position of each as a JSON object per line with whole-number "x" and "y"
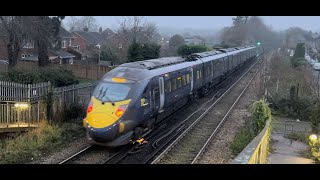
{"x": 85, "y": 71}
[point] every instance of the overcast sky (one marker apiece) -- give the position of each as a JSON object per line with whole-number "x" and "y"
{"x": 209, "y": 22}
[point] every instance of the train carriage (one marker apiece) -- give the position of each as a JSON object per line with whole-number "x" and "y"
{"x": 136, "y": 96}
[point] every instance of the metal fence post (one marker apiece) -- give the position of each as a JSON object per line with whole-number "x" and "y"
{"x": 8, "y": 114}
{"x": 73, "y": 93}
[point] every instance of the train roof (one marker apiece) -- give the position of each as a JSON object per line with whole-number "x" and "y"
{"x": 152, "y": 67}
{"x": 154, "y": 63}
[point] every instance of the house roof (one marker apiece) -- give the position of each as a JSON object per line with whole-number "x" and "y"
{"x": 315, "y": 36}
{"x": 107, "y": 33}
{"x": 62, "y": 54}
{"x": 64, "y": 33}
{"x": 30, "y": 58}
{"x": 91, "y": 37}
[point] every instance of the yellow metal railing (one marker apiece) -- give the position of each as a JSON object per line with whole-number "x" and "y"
{"x": 257, "y": 150}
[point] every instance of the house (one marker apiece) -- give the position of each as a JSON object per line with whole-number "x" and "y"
{"x": 194, "y": 41}
{"x": 29, "y": 51}
{"x": 87, "y": 44}
{"x": 84, "y": 42}
{"x": 60, "y": 57}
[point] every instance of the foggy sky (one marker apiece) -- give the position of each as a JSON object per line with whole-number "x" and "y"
{"x": 216, "y": 22}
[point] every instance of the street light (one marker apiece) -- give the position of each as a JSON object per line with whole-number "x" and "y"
{"x": 98, "y": 45}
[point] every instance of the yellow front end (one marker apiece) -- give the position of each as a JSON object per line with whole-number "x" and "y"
{"x": 103, "y": 115}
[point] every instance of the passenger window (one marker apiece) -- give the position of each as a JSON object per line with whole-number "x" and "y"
{"x": 179, "y": 82}
{"x": 188, "y": 78}
{"x": 168, "y": 87}
{"x": 174, "y": 84}
{"x": 161, "y": 87}
{"x": 184, "y": 80}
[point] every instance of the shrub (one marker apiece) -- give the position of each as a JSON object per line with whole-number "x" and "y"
{"x": 186, "y": 50}
{"x": 34, "y": 144}
{"x": 241, "y": 140}
{"x": 261, "y": 113}
{"x": 58, "y": 77}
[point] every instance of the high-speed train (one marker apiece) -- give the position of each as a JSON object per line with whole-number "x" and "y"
{"x": 135, "y": 97}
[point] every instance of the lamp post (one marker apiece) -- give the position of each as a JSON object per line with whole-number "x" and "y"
{"x": 98, "y": 45}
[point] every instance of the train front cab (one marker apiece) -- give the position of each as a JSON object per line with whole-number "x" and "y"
{"x": 110, "y": 113}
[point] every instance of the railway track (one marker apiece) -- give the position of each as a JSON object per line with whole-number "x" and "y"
{"x": 193, "y": 141}
{"x": 147, "y": 153}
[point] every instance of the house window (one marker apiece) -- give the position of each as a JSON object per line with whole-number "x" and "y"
{"x": 29, "y": 45}
{"x": 63, "y": 43}
{"x": 70, "y": 42}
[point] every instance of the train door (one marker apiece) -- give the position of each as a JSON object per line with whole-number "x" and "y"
{"x": 191, "y": 78}
{"x": 146, "y": 101}
{"x": 162, "y": 97}
{"x": 155, "y": 94}
{"x": 212, "y": 71}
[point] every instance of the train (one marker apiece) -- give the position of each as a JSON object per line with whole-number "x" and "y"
{"x": 135, "y": 97}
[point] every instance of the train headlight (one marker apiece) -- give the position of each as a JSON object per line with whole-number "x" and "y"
{"x": 90, "y": 108}
{"x": 120, "y": 110}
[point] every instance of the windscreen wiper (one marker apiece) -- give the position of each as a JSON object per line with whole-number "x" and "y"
{"x": 108, "y": 99}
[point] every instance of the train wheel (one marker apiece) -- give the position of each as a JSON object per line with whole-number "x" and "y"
{"x": 150, "y": 123}
{"x": 138, "y": 131}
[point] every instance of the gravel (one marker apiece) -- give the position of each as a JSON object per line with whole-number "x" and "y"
{"x": 70, "y": 149}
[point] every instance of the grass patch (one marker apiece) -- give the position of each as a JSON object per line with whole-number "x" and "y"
{"x": 302, "y": 137}
{"x": 241, "y": 140}
{"x": 36, "y": 143}
{"x": 86, "y": 80}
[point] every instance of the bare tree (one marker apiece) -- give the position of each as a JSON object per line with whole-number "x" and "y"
{"x": 82, "y": 23}
{"x": 44, "y": 31}
{"x": 137, "y": 28}
{"x": 254, "y": 30}
{"x": 74, "y": 23}
{"x": 13, "y": 36}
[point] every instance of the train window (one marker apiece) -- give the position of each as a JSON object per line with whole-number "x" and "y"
{"x": 188, "y": 78}
{"x": 179, "y": 82}
{"x": 161, "y": 86}
{"x": 208, "y": 70}
{"x": 173, "y": 84}
{"x": 198, "y": 75}
{"x": 168, "y": 86}
{"x": 184, "y": 82}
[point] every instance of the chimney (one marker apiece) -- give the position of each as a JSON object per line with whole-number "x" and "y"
{"x": 86, "y": 29}
{"x": 100, "y": 30}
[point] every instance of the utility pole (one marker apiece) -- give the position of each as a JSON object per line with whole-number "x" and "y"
{"x": 98, "y": 45}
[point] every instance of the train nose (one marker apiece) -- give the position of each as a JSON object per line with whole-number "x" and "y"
{"x": 101, "y": 127}
{"x": 103, "y": 134}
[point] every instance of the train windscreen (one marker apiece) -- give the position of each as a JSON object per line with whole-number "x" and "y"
{"x": 112, "y": 92}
